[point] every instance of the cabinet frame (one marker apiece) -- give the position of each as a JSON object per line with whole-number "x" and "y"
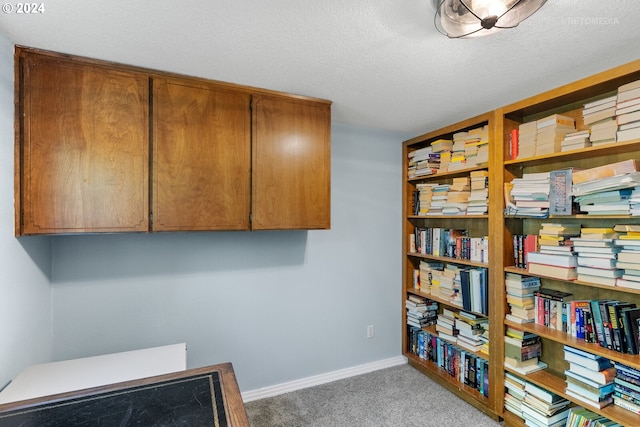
{"x": 151, "y": 75}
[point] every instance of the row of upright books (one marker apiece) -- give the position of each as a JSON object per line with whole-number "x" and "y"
{"x": 611, "y": 324}
{"x": 465, "y": 287}
{"x": 465, "y": 149}
{"x": 615, "y": 118}
{"x": 449, "y": 242}
{"x": 465, "y": 366}
{"x": 464, "y": 196}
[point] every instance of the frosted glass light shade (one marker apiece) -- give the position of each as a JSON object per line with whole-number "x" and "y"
{"x": 474, "y": 18}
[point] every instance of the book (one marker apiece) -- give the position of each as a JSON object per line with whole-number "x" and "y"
{"x": 585, "y": 359}
{"x": 539, "y": 419}
{"x": 542, "y": 394}
{"x": 605, "y": 171}
{"x": 625, "y": 404}
{"x": 601, "y": 377}
{"x": 587, "y": 400}
{"x": 557, "y": 260}
{"x": 601, "y": 272}
{"x": 560, "y": 200}
{"x": 552, "y": 271}
{"x": 630, "y": 317}
{"x": 591, "y": 386}
{"x": 528, "y": 369}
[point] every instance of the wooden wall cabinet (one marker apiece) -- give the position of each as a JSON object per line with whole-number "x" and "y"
{"x": 201, "y": 157}
{"x": 102, "y": 147}
{"x": 83, "y": 165}
{"x": 291, "y": 164}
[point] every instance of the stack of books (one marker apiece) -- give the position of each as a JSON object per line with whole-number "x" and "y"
{"x": 479, "y": 196}
{"x": 421, "y": 311}
{"x": 627, "y": 388}
{"x": 522, "y": 351}
{"x": 438, "y": 199}
{"x": 425, "y": 274}
{"x": 423, "y": 162}
{"x": 614, "y": 176}
{"x": 482, "y": 155}
{"x": 555, "y": 257}
{"x": 423, "y": 198}
{"x": 606, "y": 202}
{"x": 470, "y": 329}
{"x": 527, "y": 134}
{"x": 589, "y": 378}
{"x": 597, "y": 255}
{"x": 520, "y": 297}
{"x": 551, "y": 131}
{"x": 600, "y": 111}
{"x": 529, "y": 195}
{"x": 515, "y": 393}
{"x": 576, "y": 140}
{"x": 473, "y": 140}
{"x": 446, "y": 325}
{"x": 628, "y": 257}
{"x": 445, "y": 284}
{"x": 543, "y": 408}
{"x": 457, "y": 197}
{"x": 628, "y": 112}
{"x": 458, "y": 158}
{"x": 604, "y": 132}
{"x": 581, "y": 417}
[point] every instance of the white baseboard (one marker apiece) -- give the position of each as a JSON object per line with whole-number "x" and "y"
{"x": 294, "y": 385}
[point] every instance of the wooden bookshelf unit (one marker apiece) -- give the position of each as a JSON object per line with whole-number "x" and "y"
{"x": 566, "y": 100}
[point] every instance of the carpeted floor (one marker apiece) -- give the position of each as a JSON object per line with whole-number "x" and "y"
{"x": 396, "y": 397}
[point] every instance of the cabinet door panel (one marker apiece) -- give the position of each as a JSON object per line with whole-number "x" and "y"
{"x": 291, "y": 164}
{"x": 85, "y": 149}
{"x": 201, "y": 152}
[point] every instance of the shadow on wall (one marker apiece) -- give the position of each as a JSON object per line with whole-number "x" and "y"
{"x": 38, "y": 248}
{"x": 115, "y": 256}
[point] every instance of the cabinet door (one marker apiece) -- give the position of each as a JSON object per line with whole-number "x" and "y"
{"x": 84, "y": 148}
{"x": 201, "y": 156}
{"x": 291, "y": 164}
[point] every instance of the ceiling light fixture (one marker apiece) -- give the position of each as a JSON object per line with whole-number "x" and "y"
{"x": 474, "y": 18}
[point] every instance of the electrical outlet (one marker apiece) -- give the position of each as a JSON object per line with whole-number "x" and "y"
{"x": 370, "y": 331}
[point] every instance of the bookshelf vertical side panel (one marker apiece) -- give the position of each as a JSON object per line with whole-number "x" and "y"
{"x": 497, "y": 153}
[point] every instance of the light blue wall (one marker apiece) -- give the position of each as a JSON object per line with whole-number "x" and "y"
{"x": 25, "y": 263}
{"x": 279, "y": 305}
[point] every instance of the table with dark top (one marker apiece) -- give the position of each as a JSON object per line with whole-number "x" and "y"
{"x": 207, "y": 396}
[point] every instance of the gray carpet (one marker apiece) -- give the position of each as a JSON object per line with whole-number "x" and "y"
{"x": 398, "y": 396}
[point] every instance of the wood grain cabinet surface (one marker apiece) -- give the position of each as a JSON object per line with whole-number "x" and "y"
{"x": 103, "y": 147}
{"x": 291, "y": 164}
{"x": 84, "y": 148}
{"x": 201, "y": 157}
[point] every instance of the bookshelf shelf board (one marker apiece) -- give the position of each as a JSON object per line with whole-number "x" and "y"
{"x": 524, "y": 272}
{"x": 563, "y": 338}
{"x": 449, "y": 174}
{"x": 449, "y": 216}
{"x": 512, "y": 420}
{"x": 449, "y": 260}
{"x": 584, "y": 153}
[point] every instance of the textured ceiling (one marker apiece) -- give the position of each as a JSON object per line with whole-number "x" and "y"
{"x": 381, "y": 62}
